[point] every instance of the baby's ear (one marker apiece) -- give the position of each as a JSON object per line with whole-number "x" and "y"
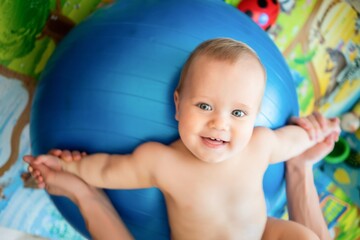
{"x": 176, "y": 101}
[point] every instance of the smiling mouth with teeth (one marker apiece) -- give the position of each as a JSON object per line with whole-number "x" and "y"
{"x": 215, "y": 139}
{"x": 213, "y": 142}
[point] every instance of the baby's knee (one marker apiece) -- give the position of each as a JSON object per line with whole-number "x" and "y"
{"x": 285, "y": 230}
{"x": 307, "y": 234}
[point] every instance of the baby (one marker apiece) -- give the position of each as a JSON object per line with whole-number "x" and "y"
{"x": 212, "y": 176}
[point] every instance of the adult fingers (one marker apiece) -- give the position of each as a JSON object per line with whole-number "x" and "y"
{"x": 321, "y": 120}
{"x": 315, "y": 131}
{"x": 28, "y": 158}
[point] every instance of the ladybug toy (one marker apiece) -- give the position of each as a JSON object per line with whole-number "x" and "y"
{"x": 263, "y": 12}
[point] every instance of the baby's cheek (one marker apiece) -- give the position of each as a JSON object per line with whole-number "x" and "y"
{"x": 244, "y": 135}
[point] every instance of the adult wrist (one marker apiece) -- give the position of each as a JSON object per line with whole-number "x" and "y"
{"x": 297, "y": 173}
{"x": 298, "y": 165}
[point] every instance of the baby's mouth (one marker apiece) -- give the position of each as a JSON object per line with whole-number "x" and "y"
{"x": 213, "y": 142}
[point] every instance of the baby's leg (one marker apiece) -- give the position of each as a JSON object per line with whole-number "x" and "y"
{"x": 101, "y": 219}
{"x": 277, "y": 229}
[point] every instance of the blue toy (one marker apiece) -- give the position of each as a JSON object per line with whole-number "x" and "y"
{"x": 109, "y": 87}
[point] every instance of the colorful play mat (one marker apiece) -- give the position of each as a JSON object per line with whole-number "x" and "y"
{"x": 320, "y": 41}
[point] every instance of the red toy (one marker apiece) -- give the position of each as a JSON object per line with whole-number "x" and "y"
{"x": 263, "y": 12}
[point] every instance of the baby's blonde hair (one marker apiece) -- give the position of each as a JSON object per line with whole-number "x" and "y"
{"x": 224, "y": 49}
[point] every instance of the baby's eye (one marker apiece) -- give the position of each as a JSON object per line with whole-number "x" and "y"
{"x": 238, "y": 113}
{"x": 204, "y": 106}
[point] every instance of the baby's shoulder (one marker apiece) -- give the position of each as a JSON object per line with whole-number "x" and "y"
{"x": 260, "y": 145}
{"x": 151, "y": 148}
{"x": 262, "y": 134}
{"x": 156, "y": 150}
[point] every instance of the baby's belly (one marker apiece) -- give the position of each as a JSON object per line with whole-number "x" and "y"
{"x": 244, "y": 221}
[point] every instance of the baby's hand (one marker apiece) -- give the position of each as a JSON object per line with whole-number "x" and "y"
{"x": 50, "y": 161}
{"x": 37, "y": 174}
{"x": 317, "y": 126}
{"x": 316, "y": 153}
{"x": 53, "y": 159}
{"x": 58, "y": 182}
{"x": 35, "y": 164}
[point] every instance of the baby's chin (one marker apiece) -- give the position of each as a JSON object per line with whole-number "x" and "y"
{"x": 212, "y": 159}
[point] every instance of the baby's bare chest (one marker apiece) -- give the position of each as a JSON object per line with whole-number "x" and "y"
{"x": 217, "y": 210}
{"x": 229, "y": 183}
{"x": 219, "y": 201}
{"x": 231, "y": 195}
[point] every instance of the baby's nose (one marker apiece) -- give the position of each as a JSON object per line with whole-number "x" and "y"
{"x": 220, "y": 123}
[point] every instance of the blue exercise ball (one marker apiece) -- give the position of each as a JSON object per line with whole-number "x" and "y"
{"x": 109, "y": 86}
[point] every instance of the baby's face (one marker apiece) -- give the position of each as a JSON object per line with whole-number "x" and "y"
{"x": 218, "y": 105}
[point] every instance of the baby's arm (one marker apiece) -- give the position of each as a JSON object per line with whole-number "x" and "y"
{"x": 134, "y": 170}
{"x": 292, "y": 140}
